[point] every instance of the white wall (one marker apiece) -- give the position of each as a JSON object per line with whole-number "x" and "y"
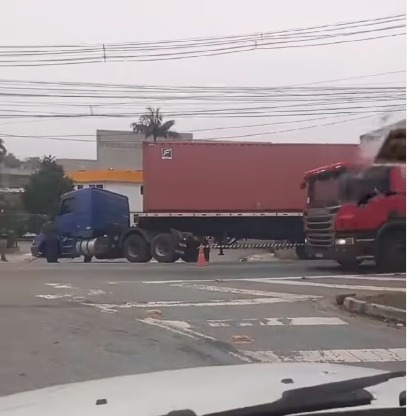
{"x": 131, "y": 190}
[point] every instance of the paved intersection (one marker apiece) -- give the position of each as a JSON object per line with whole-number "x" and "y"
{"x": 70, "y": 322}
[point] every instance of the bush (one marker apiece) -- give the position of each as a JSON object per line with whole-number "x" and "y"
{"x": 18, "y": 224}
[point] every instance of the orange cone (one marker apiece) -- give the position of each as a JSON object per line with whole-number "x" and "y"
{"x": 201, "y": 257}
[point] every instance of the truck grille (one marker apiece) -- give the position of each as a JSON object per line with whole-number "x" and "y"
{"x": 319, "y": 226}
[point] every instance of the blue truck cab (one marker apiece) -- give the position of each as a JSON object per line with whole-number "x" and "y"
{"x": 90, "y": 222}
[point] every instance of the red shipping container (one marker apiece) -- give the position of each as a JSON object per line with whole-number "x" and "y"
{"x": 232, "y": 177}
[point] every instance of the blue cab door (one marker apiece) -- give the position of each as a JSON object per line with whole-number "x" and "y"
{"x": 66, "y": 225}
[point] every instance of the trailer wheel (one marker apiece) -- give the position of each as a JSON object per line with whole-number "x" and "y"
{"x": 190, "y": 255}
{"x": 165, "y": 248}
{"x": 136, "y": 249}
{"x": 391, "y": 251}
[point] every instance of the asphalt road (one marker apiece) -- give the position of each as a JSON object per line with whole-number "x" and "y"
{"x": 73, "y": 321}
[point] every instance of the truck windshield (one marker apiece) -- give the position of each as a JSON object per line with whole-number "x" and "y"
{"x": 324, "y": 190}
{"x": 335, "y": 188}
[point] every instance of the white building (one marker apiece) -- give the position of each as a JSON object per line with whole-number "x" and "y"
{"x": 117, "y": 150}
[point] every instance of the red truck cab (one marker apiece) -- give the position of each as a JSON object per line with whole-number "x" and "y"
{"x": 356, "y": 212}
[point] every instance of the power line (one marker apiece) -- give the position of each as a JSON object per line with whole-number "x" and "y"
{"x": 126, "y": 133}
{"x": 181, "y": 87}
{"x": 147, "y": 51}
{"x": 295, "y": 129}
{"x": 72, "y": 138}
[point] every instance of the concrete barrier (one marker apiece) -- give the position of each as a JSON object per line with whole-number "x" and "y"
{"x": 374, "y": 310}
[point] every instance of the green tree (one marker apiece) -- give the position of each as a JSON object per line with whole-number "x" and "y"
{"x": 3, "y": 150}
{"x": 11, "y": 161}
{"x": 32, "y": 163}
{"x": 151, "y": 125}
{"x": 45, "y": 187}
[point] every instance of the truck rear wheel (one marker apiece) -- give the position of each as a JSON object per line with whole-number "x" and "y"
{"x": 165, "y": 248}
{"x": 391, "y": 252}
{"x": 190, "y": 255}
{"x": 136, "y": 249}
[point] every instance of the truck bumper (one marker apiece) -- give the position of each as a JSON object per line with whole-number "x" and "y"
{"x": 347, "y": 248}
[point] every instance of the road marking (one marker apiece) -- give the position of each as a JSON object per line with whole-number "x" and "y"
{"x": 106, "y": 307}
{"x": 245, "y": 291}
{"x": 96, "y": 292}
{"x": 329, "y": 356}
{"x": 381, "y": 277}
{"x": 179, "y": 327}
{"x": 299, "y": 321}
{"x": 327, "y": 285}
{"x": 184, "y": 329}
{"x": 60, "y": 285}
{"x": 51, "y": 297}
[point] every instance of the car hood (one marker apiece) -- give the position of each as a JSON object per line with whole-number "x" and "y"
{"x": 203, "y": 390}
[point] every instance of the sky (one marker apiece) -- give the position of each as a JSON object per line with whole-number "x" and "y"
{"x": 98, "y": 22}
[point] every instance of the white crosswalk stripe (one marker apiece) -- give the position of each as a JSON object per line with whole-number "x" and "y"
{"x": 200, "y": 330}
{"x": 248, "y": 336}
{"x": 374, "y": 355}
{"x": 307, "y": 320}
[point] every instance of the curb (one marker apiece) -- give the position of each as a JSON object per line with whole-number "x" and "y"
{"x": 374, "y": 310}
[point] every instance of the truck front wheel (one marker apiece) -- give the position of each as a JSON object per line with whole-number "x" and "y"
{"x": 391, "y": 252}
{"x": 136, "y": 249}
{"x": 165, "y": 248}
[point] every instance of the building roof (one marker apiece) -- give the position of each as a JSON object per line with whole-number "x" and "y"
{"x": 106, "y": 175}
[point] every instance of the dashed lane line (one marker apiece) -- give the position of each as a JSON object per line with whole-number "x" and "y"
{"x": 112, "y": 308}
{"x": 249, "y": 292}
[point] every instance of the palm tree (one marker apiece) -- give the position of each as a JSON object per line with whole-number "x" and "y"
{"x": 151, "y": 125}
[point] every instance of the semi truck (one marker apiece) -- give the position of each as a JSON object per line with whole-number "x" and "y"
{"x": 192, "y": 191}
{"x": 357, "y": 211}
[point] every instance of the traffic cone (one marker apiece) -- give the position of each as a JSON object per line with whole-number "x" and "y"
{"x": 201, "y": 257}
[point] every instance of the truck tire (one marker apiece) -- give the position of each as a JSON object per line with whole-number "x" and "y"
{"x": 164, "y": 248}
{"x": 190, "y": 255}
{"x": 87, "y": 259}
{"x": 391, "y": 251}
{"x": 303, "y": 253}
{"x": 136, "y": 249}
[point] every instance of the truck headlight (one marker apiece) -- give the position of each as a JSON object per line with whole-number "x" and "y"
{"x": 344, "y": 241}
